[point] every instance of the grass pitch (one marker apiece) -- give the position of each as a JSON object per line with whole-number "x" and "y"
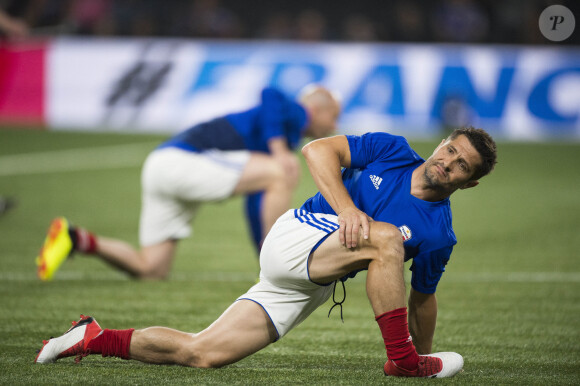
{"x": 509, "y": 301}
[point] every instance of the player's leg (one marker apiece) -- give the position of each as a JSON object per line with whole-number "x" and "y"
{"x": 151, "y": 262}
{"x": 175, "y": 184}
{"x": 243, "y": 329}
{"x": 169, "y": 202}
{"x": 253, "y": 205}
{"x": 165, "y": 219}
{"x": 263, "y": 173}
{"x": 382, "y": 253}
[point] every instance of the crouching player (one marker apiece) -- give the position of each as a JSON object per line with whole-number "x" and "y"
{"x": 386, "y": 206}
{"x": 246, "y": 153}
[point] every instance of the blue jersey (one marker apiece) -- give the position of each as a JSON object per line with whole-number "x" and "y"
{"x": 379, "y": 182}
{"x": 276, "y": 116}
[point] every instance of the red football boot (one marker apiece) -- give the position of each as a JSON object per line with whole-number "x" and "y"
{"x": 74, "y": 342}
{"x": 438, "y": 365}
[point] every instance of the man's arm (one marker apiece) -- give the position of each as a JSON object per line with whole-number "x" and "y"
{"x": 325, "y": 157}
{"x": 422, "y": 320}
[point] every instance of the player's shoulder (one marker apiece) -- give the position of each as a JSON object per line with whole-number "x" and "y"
{"x": 392, "y": 145}
{"x": 385, "y": 139}
{"x": 383, "y": 136}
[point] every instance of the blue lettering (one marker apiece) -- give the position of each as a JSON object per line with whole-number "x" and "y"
{"x": 456, "y": 84}
{"x": 381, "y": 90}
{"x": 539, "y": 104}
{"x": 210, "y": 75}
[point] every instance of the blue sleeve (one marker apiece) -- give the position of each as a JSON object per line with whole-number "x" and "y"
{"x": 428, "y": 268}
{"x": 272, "y": 114}
{"x": 370, "y": 147}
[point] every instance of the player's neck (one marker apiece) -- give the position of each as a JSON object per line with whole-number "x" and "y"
{"x": 422, "y": 190}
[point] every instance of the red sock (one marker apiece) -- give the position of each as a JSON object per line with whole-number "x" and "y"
{"x": 86, "y": 242}
{"x": 395, "y": 331}
{"x": 112, "y": 343}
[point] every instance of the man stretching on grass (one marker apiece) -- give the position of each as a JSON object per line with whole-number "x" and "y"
{"x": 310, "y": 248}
{"x": 247, "y": 153}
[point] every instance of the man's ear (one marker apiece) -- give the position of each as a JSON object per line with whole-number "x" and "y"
{"x": 470, "y": 184}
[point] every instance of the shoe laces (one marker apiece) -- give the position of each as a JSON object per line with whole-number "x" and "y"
{"x": 81, "y": 355}
{"x": 75, "y": 322}
{"x": 336, "y": 303}
{"x": 429, "y": 366}
{"x": 82, "y": 318}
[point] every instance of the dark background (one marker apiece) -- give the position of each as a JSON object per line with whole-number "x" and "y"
{"x": 459, "y": 21}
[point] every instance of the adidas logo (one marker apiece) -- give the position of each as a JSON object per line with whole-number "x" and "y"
{"x": 376, "y": 181}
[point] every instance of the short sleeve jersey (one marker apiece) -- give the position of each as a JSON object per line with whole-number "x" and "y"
{"x": 379, "y": 182}
{"x": 276, "y": 116}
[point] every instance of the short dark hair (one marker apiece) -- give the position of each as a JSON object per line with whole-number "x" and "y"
{"x": 485, "y": 146}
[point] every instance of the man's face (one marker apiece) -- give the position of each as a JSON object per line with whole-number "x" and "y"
{"x": 452, "y": 165}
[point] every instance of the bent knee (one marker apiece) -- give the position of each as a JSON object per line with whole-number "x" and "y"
{"x": 148, "y": 271}
{"x": 385, "y": 235}
{"x": 279, "y": 179}
{"x": 207, "y": 363}
{"x": 200, "y": 358}
{"x": 277, "y": 173}
{"x": 274, "y": 170}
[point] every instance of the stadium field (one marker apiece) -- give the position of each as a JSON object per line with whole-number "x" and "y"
{"x": 509, "y": 301}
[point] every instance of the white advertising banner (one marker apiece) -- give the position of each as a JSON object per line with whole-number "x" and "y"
{"x": 168, "y": 85}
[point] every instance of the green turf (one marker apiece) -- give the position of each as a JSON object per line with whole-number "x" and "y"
{"x": 509, "y": 301}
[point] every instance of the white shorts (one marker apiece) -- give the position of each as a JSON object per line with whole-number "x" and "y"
{"x": 285, "y": 290}
{"x": 175, "y": 182}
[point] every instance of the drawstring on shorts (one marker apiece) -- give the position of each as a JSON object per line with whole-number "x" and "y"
{"x": 334, "y": 299}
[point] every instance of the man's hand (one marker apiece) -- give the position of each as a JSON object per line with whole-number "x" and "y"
{"x": 351, "y": 220}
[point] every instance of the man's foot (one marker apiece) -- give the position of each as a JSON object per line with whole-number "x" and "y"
{"x": 74, "y": 342}
{"x": 58, "y": 245}
{"x": 438, "y": 365}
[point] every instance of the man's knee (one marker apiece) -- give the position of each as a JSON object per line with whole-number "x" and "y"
{"x": 276, "y": 172}
{"x": 264, "y": 173}
{"x": 148, "y": 273}
{"x": 385, "y": 236}
{"x": 151, "y": 270}
{"x": 209, "y": 362}
{"x": 196, "y": 354}
{"x": 278, "y": 178}
{"x": 156, "y": 261}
